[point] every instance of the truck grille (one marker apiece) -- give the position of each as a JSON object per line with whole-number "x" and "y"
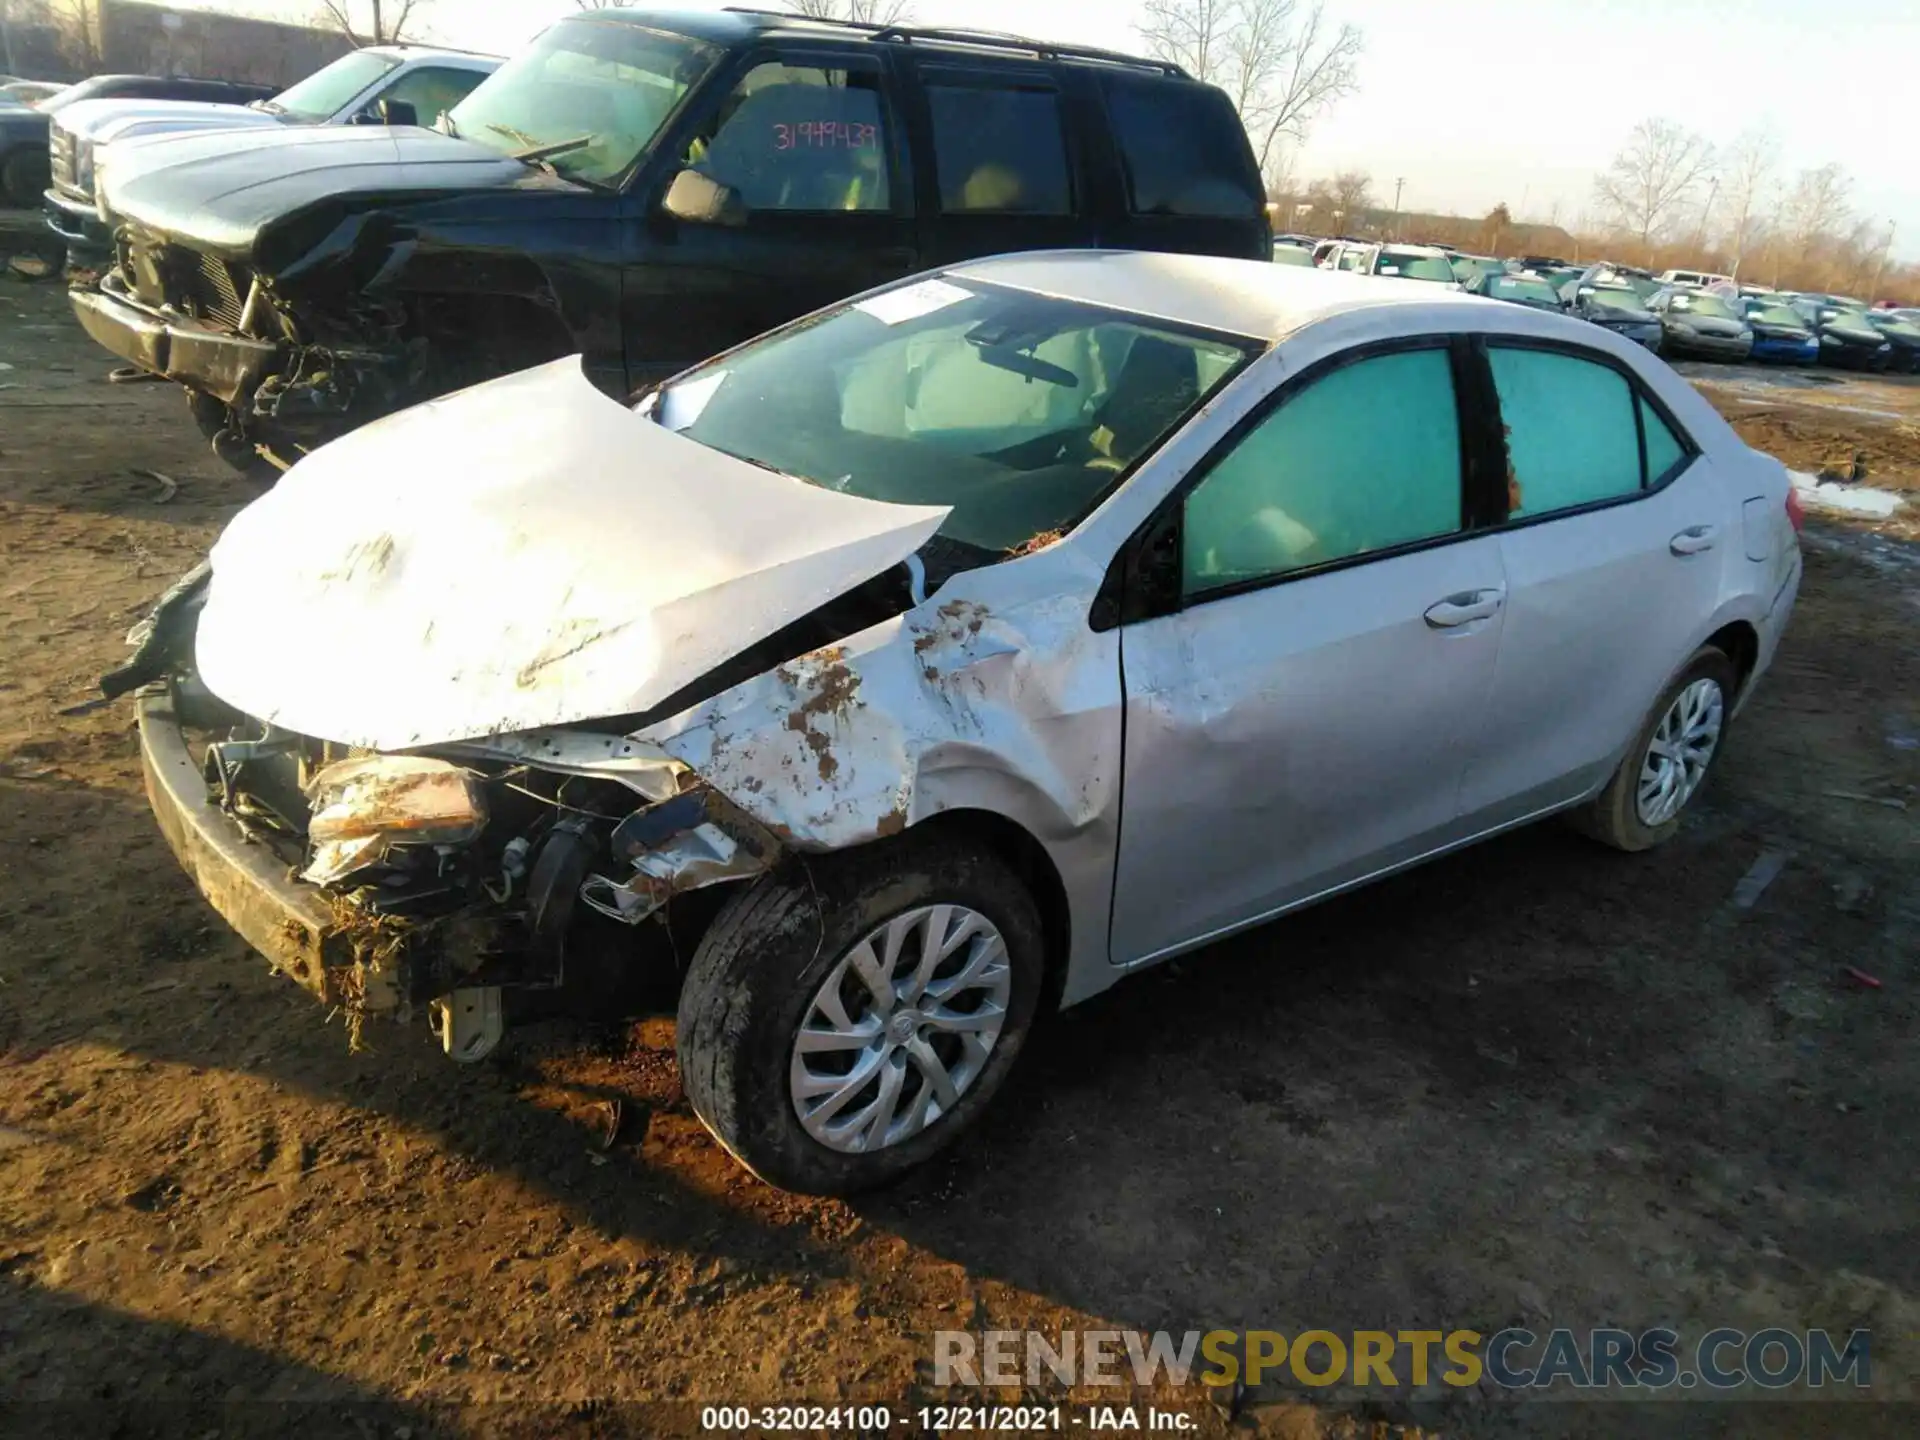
{"x": 188, "y": 281}
{"x": 60, "y": 155}
{"x": 213, "y": 290}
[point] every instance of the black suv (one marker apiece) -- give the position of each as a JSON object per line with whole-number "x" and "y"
{"x": 646, "y": 188}
{"x": 23, "y": 128}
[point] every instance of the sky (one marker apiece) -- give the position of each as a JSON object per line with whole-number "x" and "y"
{"x": 1514, "y": 101}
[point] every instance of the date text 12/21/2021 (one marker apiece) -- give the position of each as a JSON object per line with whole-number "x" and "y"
{"x": 942, "y": 1419}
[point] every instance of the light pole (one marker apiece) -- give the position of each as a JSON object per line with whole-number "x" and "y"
{"x": 1700, "y": 230}
{"x": 1393, "y": 228}
{"x": 1881, "y": 268}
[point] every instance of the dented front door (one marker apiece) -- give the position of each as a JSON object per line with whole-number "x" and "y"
{"x": 1294, "y": 739}
{"x": 1304, "y": 716}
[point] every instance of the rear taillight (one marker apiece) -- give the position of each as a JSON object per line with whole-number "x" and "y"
{"x": 1795, "y": 515}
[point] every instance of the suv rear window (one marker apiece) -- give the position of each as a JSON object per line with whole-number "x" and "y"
{"x": 1183, "y": 149}
{"x": 998, "y": 145}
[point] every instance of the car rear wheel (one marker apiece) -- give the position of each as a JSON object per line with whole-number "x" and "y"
{"x": 848, "y": 1016}
{"x": 1669, "y": 760}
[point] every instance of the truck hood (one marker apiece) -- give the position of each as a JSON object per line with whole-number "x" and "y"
{"x": 104, "y": 120}
{"x": 220, "y": 187}
{"x": 525, "y": 553}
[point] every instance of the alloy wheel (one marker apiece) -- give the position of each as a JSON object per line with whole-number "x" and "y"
{"x": 900, "y": 1028}
{"x": 1682, "y": 748}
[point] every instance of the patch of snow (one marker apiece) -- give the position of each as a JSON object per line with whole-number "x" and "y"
{"x": 1845, "y": 499}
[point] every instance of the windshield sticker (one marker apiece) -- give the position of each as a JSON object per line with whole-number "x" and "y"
{"x": 896, "y": 307}
{"x": 681, "y": 405}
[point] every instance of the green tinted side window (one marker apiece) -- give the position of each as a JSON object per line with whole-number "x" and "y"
{"x": 1571, "y": 438}
{"x": 1663, "y": 450}
{"x": 1365, "y": 458}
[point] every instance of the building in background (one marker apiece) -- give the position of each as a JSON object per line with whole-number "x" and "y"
{"x": 72, "y": 39}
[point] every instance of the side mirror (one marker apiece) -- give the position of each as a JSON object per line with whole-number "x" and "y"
{"x": 695, "y": 199}
{"x": 396, "y": 112}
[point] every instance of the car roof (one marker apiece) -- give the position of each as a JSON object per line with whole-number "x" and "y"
{"x": 1235, "y": 297}
{"x": 739, "y": 24}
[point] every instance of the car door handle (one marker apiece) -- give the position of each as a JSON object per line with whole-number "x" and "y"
{"x": 1694, "y": 539}
{"x": 1464, "y": 608}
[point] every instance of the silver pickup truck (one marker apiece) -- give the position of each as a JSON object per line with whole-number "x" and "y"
{"x": 399, "y": 84}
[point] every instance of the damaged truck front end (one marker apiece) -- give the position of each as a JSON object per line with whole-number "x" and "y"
{"x": 294, "y": 304}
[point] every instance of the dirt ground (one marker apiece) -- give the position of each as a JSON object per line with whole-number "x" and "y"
{"x": 1536, "y": 1083}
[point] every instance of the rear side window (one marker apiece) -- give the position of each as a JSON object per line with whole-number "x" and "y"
{"x": 1664, "y": 450}
{"x": 999, "y": 146}
{"x": 1183, "y": 149}
{"x": 1570, "y": 429}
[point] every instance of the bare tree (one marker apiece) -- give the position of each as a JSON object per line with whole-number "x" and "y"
{"x": 861, "y": 12}
{"x": 1282, "y": 65}
{"x": 75, "y": 25}
{"x": 1748, "y": 182}
{"x": 1816, "y": 211}
{"x": 1651, "y": 180}
{"x": 387, "y": 20}
{"x": 1352, "y": 195}
{"x": 1495, "y": 228}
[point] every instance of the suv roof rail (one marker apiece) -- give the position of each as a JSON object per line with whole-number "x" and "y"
{"x": 983, "y": 39}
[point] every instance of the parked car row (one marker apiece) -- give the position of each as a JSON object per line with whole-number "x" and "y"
{"x": 1682, "y": 313}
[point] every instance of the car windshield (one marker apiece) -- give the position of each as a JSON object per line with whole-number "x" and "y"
{"x": 608, "y": 85}
{"x": 1515, "y": 287}
{"x": 1019, "y": 411}
{"x": 1291, "y": 255}
{"x": 1616, "y": 297}
{"x": 1412, "y": 265}
{"x": 322, "y": 94}
{"x": 1774, "y": 314}
{"x": 1850, "y": 320}
{"x": 1888, "y": 323}
{"x": 1712, "y": 306}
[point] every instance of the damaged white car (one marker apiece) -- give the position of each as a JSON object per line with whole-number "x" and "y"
{"x": 940, "y": 658}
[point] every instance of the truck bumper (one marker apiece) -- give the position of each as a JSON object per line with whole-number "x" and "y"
{"x": 226, "y": 366}
{"x": 89, "y": 239}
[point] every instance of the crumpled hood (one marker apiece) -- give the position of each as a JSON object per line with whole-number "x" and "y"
{"x": 221, "y": 186}
{"x": 521, "y": 554}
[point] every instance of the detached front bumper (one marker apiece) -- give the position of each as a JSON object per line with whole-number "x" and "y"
{"x": 245, "y": 881}
{"x": 220, "y": 364}
{"x": 89, "y": 239}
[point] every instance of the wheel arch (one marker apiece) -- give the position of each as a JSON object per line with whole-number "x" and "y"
{"x": 1010, "y": 842}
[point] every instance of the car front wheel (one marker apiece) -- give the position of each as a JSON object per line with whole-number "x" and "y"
{"x": 849, "y": 1015}
{"x": 1669, "y": 759}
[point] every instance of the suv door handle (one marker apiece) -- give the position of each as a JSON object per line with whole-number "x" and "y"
{"x": 1694, "y": 539}
{"x": 1464, "y": 608}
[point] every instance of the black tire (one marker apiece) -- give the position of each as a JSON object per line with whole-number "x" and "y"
{"x": 24, "y": 177}
{"x": 754, "y": 978}
{"x": 1613, "y": 816}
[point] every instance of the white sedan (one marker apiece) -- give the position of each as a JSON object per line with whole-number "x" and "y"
{"x": 948, "y": 655}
